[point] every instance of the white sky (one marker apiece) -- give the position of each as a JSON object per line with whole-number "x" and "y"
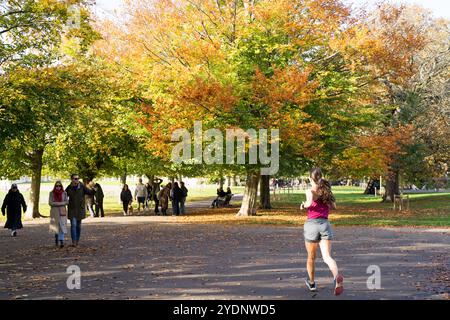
{"x": 440, "y": 8}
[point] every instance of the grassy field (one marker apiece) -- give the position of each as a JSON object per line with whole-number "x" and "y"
{"x": 354, "y": 208}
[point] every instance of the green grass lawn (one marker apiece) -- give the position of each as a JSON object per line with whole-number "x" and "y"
{"x": 354, "y": 208}
{"x": 348, "y": 196}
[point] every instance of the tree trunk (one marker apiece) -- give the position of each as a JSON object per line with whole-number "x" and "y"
{"x": 234, "y": 181}
{"x": 264, "y": 193}
{"x": 36, "y": 183}
{"x": 369, "y": 186}
{"x": 392, "y": 186}
{"x": 248, "y": 207}
{"x": 221, "y": 182}
{"x": 150, "y": 178}
{"x": 123, "y": 178}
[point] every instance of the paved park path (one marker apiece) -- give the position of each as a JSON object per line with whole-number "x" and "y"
{"x": 158, "y": 258}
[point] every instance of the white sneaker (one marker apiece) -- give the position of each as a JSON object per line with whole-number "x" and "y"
{"x": 14, "y": 233}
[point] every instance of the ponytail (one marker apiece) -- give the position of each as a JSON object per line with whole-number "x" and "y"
{"x": 323, "y": 187}
{"x": 324, "y": 192}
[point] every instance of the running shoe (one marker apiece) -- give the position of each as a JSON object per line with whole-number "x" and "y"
{"x": 311, "y": 286}
{"x": 338, "y": 285}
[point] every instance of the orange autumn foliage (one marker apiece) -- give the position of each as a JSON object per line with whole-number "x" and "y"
{"x": 372, "y": 155}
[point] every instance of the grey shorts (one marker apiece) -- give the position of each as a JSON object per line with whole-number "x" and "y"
{"x": 315, "y": 230}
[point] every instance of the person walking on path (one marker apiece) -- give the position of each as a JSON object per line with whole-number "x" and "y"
{"x": 127, "y": 199}
{"x": 99, "y": 196}
{"x": 317, "y": 229}
{"x": 90, "y": 198}
{"x": 149, "y": 198}
{"x": 176, "y": 195}
{"x": 58, "y": 201}
{"x": 163, "y": 198}
{"x": 12, "y": 206}
{"x": 76, "y": 192}
{"x": 183, "y": 199}
{"x": 155, "y": 193}
{"x": 140, "y": 194}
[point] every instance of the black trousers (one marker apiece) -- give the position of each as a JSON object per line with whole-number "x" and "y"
{"x": 99, "y": 209}
{"x": 155, "y": 198}
{"x": 125, "y": 206}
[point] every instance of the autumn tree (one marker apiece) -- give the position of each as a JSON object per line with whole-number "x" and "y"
{"x": 391, "y": 42}
{"x": 42, "y": 81}
{"x": 31, "y": 32}
{"x": 249, "y": 64}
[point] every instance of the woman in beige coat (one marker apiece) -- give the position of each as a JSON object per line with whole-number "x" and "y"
{"x": 58, "y": 200}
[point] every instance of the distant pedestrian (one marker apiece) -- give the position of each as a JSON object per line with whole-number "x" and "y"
{"x": 155, "y": 193}
{"x": 149, "y": 198}
{"x": 176, "y": 195}
{"x": 12, "y": 206}
{"x": 163, "y": 198}
{"x": 183, "y": 199}
{"x": 140, "y": 194}
{"x": 76, "y": 192}
{"x": 127, "y": 198}
{"x": 90, "y": 198}
{"x": 99, "y": 196}
{"x": 58, "y": 201}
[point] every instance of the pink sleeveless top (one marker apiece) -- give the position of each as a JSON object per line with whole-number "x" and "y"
{"x": 318, "y": 210}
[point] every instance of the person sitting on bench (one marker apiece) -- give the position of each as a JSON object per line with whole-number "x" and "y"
{"x": 220, "y": 196}
{"x": 229, "y": 195}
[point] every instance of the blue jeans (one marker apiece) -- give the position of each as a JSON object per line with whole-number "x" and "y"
{"x": 182, "y": 206}
{"x": 75, "y": 229}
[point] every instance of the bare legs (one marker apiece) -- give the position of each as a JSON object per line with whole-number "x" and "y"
{"x": 311, "y": 248}
{"x": 325, "y": 248}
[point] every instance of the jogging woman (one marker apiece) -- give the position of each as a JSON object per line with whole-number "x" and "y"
{"x": 317, "y": 229}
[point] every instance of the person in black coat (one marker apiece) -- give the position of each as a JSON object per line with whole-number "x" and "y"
{"x": 126, "y": 197}
{"x": 13, "y": 204}
{"x": 155, "y": 191}
{"x": 176, "y": 195}
{"x": 183, "y": 199}
{"x": 99, "y": 196}
{"x": 229, "y": 195}
{"x": 149, "y": 195}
